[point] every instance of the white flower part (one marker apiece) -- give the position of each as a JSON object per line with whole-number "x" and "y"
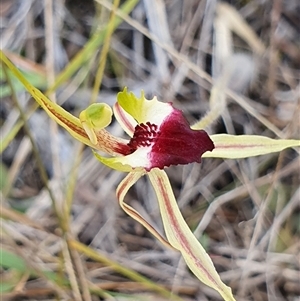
{"x": 140, "y": 158}
{"x": 156, "y": 114}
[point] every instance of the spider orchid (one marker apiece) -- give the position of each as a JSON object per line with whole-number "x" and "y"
{"x": 160, "y": 136}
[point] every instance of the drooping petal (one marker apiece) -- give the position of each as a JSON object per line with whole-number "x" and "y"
{"x": 122, "y": 189}
{"x": 163, "y": 136}
{"x": 181, "y": 238}
{"x": 244, "y": 146}
{"x": 105, "y": 141}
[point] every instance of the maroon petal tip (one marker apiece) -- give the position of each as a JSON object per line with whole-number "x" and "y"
{"x": 177, "y": 143}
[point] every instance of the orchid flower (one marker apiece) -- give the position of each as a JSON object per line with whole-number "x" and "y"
{"x": 159, "y": 136}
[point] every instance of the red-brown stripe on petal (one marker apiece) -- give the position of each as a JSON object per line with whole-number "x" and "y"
{"x": 106, "y": 142}
{"x": 123, "y": 118}
{"x": 182, "y": 241}
{"x": 68, "y": 124}
{"x": 122, "y": 189}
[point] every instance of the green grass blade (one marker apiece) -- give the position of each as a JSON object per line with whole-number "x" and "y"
{"x": 90, "y": 47}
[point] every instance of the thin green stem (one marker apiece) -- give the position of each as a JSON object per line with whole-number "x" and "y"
{"x": 104, "y": 52}
{"x": 71, "y": 185}
{"x": 35, "y": 150}
{"x": 91, "y": 46}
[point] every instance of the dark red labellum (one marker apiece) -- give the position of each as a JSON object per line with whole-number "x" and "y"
{"x": 174, "y": 143}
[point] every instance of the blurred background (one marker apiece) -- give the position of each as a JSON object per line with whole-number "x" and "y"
{"x": 246, "y": 213}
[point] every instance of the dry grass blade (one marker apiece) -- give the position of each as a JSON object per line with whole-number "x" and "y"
{"x": 157, "y": 22}
{"x": 59, "y": 214}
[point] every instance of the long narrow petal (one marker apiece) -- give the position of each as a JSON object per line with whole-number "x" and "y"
{"x": 244, "y": 146}
{"x": 122, "y": 189}
{"x": 65, "y": 119}
{"x": 181, "y": 237}
{"x": 105, "y": 141}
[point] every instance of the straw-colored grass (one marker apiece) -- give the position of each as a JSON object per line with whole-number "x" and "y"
{"x": 63, "y": 235}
